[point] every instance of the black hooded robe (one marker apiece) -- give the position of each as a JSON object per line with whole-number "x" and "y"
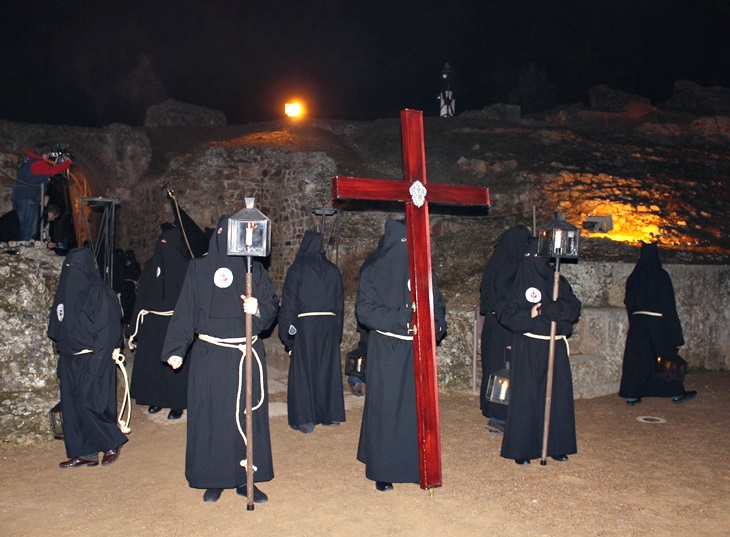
{"x": 86, "y": 316}
{"x": 312, "y": 287}
{"x": 210, "y": 304}
{"x": 154, "y": 382}
{"x": 496, "y": 340}
{"x": 388, "y": 443}
{"x": 649, "y": 289}
{"x": 533, "y": 283}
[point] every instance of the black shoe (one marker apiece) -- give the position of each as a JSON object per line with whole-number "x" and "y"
{"x": 383, "y": 486}
{"x": 175, "y": 414}
{"x": 496, "y": 428}
{"x": 355, "y": 387}
{"x": 76, "y": 462}
{"x": 686, "y": 396}
{"x": 560, "y": 458}
{"x": 212, "y": 495}
{"x": 633, "y": 401}
{"x": 258, "y": 496}
{"x": 154, "y": 409}
{"x": 522, "y": 462}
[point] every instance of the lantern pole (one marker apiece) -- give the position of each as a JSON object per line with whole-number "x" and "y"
{"x": 249, "y": 235}
{"x": 249, "y": 393}
{"x": 551, "y": 362}
{"x": 558, "y": 239}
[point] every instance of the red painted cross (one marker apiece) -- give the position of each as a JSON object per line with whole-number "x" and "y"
{"x": 416, "y": 195}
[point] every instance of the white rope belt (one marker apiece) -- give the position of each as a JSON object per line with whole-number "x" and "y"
{"x": 315, "y": 314}
{"x": 118, "y": 358}
{"x": 240, "y": 344}
{"x": 651, "y": 313}
{"x": 547, "y": 338}
{"x": 140, "y": 320}
{"x": 123, "y": 424}
{"x": 397, "y": 336}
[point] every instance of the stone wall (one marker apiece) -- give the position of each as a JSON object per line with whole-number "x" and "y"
{"x": 28, "y": 382}
{"x": 286, "y": 185}
{"x": 702, "y": 293}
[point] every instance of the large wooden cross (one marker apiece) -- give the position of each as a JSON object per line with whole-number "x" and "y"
{"x": 416, "y": 195}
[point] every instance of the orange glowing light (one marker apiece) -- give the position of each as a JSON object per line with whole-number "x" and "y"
{"x": 631, "y": 224}
{"x": 294, "y": 109}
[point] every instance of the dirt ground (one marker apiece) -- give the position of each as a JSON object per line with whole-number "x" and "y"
{"x": 665, "y": 476}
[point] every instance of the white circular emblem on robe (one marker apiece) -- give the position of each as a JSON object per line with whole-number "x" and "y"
{"x": 159, "y": 270}
{"x": 223, "y": 277}
{"x": 59, "y": 312}
{"x": 533, "y": 295}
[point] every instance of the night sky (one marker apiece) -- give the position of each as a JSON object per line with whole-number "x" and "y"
{"x": 94, "y": 62}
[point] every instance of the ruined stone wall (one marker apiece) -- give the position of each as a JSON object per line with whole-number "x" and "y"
{"x": 107, "y": 162}
{"x": 701, "y": 292}
{"x": 29, "y": 388}
{"x": 28, "y": 382}
{"x": 286, "y": 185}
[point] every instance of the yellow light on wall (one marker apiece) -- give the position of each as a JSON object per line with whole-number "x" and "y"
{"x": 293, "y": 109}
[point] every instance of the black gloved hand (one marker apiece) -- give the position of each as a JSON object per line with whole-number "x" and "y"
{"x": 553, "y": 311}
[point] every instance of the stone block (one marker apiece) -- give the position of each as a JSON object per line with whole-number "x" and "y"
{"x": 593, "y": 376}
{"x": 601, "y": 332}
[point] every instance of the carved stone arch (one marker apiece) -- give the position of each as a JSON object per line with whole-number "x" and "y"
{"x": 93, "y": 151}
{"x": 93, "y": 173}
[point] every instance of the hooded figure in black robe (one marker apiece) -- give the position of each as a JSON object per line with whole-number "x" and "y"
{"x": 389, "y": 433}
{"x": 210, "y": 309}
{"x": 528, "y": 313}
{"x": 310, "y": 322}
{"x": 654, "y": 331}
{"x": 496, "y": 340}
{"x": 86, "y": 324}
{"x": 155, "y": 383}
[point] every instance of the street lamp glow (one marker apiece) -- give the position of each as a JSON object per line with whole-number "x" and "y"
{"x": 293, "y": 109}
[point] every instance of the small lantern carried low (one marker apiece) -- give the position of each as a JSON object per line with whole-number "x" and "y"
{"x": 355, "y": 363}
{"x": 249, "y": 232}
{"x": 558, "y": 239}
{"x": 498, "y": 387}
{"x": 56, "y": 421}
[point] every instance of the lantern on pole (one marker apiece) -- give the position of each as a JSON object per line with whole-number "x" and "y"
{"x": 249, "y": 234}
{"x": 557, "y": 240}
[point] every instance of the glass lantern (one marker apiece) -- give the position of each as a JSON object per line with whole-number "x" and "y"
{"x": 56, "y": 421}
{"x": 249, "y": 232}
{"x": 498, "y": 387}
{"x": 558, "y": 239}
{"x": 355, "y": 363}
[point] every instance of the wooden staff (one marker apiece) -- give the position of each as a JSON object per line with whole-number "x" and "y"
{"x": 249, "y": 392}
{"x": 551, "y": 361}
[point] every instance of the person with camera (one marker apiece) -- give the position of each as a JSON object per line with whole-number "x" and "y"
{"x": 35, "y": 171}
